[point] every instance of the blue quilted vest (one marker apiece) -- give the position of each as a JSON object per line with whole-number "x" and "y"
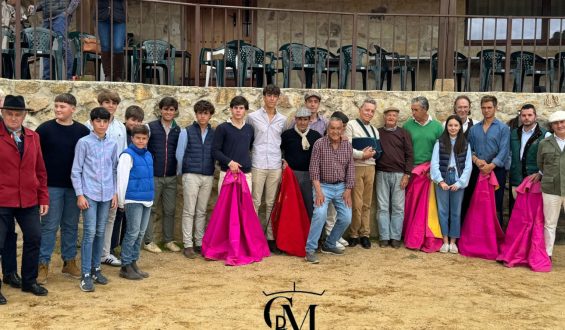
{"x": 140, "y": 185}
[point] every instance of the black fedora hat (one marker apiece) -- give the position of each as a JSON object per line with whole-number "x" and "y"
{"x": 14, "y": 102}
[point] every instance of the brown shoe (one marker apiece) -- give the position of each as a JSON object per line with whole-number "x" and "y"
{"x": 70, "y": 268}
{"x": 129, "y": 273}
{"x": 42, "y": 273}
{"x": 395, "y": 243}
{"x": 189, "y": 253}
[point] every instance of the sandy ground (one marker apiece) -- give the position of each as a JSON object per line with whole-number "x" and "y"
{"x": 364, "y": 289}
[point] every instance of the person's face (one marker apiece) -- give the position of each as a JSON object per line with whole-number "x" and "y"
{"x": 132, "y": 122}
{"x": 313, "y": 104}
{"x": 203, "y": 117}
{"x": 100, "y": 126}
{"x": 453, "y": 127}
{"x": 110, "y": 105}
{"x": 391, "y": 118}
{"x": 238, "y": 112}
{"x": 462, "y": 108}
{"x": 367, "y": 112}
{"x": 488, "y": 109}
{"x": 64, "y": 111}
{"x": 419, "y": 113}
{"x": 302, "y": 123}
{"x": 335, "y": 129}
{"x": 13, "y": 118}
{"x": 559, "y": 128}
{"x": 527, "y": 117}
{"x": 140, "y": 140}
{"x": 12, "y": 2}
{"x": 270, "y": 100}
{"x": 168, "y": 113}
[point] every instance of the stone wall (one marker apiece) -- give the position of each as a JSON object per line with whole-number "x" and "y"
{"x": 40, "y": 94}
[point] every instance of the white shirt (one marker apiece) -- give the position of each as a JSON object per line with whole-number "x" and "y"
{"x": 560, "y": 142}
{"x": 124, "y": 167}
{"x": 266, "y": 151}
{"x": 525, "y": 137}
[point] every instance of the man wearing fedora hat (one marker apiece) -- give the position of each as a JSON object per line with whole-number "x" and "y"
{"x": 24, "y": 187}
{"x": 551, "y": 162}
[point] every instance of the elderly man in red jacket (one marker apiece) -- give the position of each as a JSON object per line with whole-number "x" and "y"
{"x": 24, "y": 188}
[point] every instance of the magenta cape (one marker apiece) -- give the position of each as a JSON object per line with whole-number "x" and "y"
{"x": 289, "y": 218}
{"x": 481, "y": 234}
{"x": 524, "y": 244}
{"x": 234, "y": 233}
{"x": 421, "y": 222}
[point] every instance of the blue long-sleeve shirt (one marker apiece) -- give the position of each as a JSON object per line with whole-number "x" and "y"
{"x": 492, "y": 146}
{"x": 95, "y": 167}
{"x": 462, "y": 178}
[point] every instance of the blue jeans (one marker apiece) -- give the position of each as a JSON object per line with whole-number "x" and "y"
{"x": 138, "y": 217}
{"x": 112, "y": 36}
{"x": 449, "y": 208}
{"x": 390, "y": 197}
{"x": 94, "y": 226}
{"x": 63, "y": 212}
{"x": 332, "y": 193}
{"x": 59, "y": 24}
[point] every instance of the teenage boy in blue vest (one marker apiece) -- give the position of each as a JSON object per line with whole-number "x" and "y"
{"x": 94, "y": 179}
{"x": 195, "y": 163}
{"x": 110, "y": 100}
{"x": 135, "y": 195}
{"x": 163, "y": 139}
{"x": 134, "y": 117}
{"x": 58, "y": 138}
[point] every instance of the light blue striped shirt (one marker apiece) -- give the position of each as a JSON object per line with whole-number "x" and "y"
{"x": 94, "y": 167}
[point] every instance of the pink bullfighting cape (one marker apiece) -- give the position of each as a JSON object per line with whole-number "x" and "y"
{"x": 289, "y": 217}
{"x": 234, "y": 233}
{"x": 481, "y": 234}
{"x": 524, "y": 244}
{"x": 421, "y": 222}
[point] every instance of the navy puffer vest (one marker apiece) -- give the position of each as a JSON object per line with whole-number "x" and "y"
{"x": 140, "y": 184}
{"x": 444, "y": 159}
{"x": 163, "y": 148}
{"x": 197, "y": 155}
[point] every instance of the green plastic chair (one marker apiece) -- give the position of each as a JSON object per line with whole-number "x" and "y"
{"x": 326, "y": 63}
{"x": 492, "y": 63}
{"x": 8, "y": 39}
{"x": 460, "y": 70}
{"x": 81, "y": 57}
{"x": 39, "y": 44}
{"x": 530, "y": 64}
{"x": 155, "y": 53}
{"x": 253, "y": 58}
{"x": 346, "y": 62}
{"x": 560, "y": 58}
{"x": 297, "y": 57}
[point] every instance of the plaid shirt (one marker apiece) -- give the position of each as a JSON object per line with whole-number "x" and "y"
{"x": 332, "y": 166}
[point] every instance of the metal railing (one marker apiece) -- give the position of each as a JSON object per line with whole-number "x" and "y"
{"x": 250, "y": 46}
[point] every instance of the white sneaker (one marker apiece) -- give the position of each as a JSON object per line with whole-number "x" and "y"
{"x": 171, "y": 246}
{"x": 444, "y": 248}
{"x": 453, "y": 248}
{"x": 339, "y": 246}
{"x": 342, "y": 241}
{"x": 111, "y": 260}
{"x": 152, "y": 247}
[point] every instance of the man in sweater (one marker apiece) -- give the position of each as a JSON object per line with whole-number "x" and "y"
{"x": 357, "y": 131}
{"x": 423, "y": 130}
{"x": 233, "y": 141}
{"x": 58, "y": 138}
{"x": 163, "y": 140}
{"x": 268, "y": 125}
{"x": 196, "y": 165}
{"x": 296, "y": 146}
{"x": 551, "y": 162}
{"x": 394, "y": 168}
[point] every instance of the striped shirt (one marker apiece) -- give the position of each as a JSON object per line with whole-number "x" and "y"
{"x": 94, "y": 167}
{"x": 329, "y": 165}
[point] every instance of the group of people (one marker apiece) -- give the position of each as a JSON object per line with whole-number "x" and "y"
{"x": 118, "y": 173}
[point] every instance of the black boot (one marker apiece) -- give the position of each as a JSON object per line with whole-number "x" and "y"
{"x": 118, "y": 61}
{"x": 3, "y": 300}
{"x": 129, "y": 273}
{"x": 107, "y": 65}
{"x": 139, "y": 271}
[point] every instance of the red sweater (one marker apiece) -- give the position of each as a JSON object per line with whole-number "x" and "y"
{"x": 23, "y": 181}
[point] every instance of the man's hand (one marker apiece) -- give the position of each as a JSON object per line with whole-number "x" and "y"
{"x": 534, "y": 177}
{"x": 319, "y": 198}
{"x": 114, "y": 203}
{"x": 284, "y": 164}
{"x": 347, "y": 197}
{"x": 82, "y": 203}
{"x": 234, "y": 167}
{"x": 368, "y": 152}
{"x": 487, "y": 168}
{"x": 404, "y": 181}
{"x": 43, "y": 209}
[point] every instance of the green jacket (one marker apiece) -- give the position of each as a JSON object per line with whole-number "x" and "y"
{"x": 551, "y": 161}
{"x": 519, "y": 169}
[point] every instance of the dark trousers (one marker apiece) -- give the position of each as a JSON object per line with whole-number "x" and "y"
{"x": 303, "y": 178}
{"x": 9, "y": 259}
{"x": 500, "y": 173}
{"x": 28, "y": 219}
{"x": 119, "y": 230}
